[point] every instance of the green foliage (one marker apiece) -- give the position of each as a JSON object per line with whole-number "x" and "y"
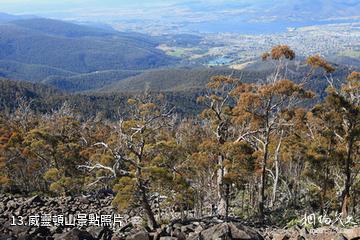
{"x": 53, "y": 174}
{"x": 125, "y": 196}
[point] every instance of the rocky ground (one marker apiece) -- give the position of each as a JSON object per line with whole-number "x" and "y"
{"x": 42, "y": 220}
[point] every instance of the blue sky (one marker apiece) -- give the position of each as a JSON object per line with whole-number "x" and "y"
{"x": 98, "y": 10}
{"x": 43, "y": 6}
{"x": 39, "y": 6}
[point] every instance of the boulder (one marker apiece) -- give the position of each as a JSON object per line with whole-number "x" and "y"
{"x": 2, "y": 207}
{"x": 74, "y": 234}
{"x": 188, "y": 228}
{"x": 351, "y": 234}
{"x": 19, "y": 230}
{"x": 142, "y": 235}
{"x": 36, "y": 199}
{"x": 178, "y": 234}
{"x": 96, "y": 232}
{"x": 193, "y": 236}
{"x": 116, "y": 238}
{"x": 198, "y": 229}
{"x": 40, "y": 231}
{"x": 160, "y": 232}
{"x": 230, "y": 231}
{"x": 280, "y": 236}
{"x": 326, "y": 236}
{"x": 7, "y": 237}
{"x": 11, "y": 205}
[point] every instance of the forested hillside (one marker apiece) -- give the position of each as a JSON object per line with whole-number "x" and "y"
{"x": 89, "y": 81}
{"x": 30, "y": 72}
{"x": 185, "y": 79}
{"x": 14, "y": 93}
{"x": 35, "y": 49}
{"x": 254, "y": 152}
{"x": 44, "y": 98}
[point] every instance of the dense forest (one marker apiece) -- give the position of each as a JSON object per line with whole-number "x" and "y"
{"x": 187, "y": 79}
{"x": 258, "y": 150}
{"x": 44, "y": 99}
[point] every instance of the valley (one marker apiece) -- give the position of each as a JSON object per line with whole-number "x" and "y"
{"x": 100, "y": 58}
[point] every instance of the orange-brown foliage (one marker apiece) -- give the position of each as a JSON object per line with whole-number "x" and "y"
{"x": 317, "y": 61}
{"x": 281, "y": 51}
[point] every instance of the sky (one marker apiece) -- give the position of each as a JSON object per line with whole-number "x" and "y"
{"x": 107, "y": 10}
{"x": 45, "y": 6}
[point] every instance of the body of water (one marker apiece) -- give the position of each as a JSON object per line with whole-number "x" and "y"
{"x": 239, "y": 26}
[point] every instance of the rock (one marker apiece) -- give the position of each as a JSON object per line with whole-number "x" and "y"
{"x": 84, "y": 200}
{"x": 205, "y": 228}
{"x": 126, "y": 228}
{"x": 303, "y": 232}
{"x": 220, "y": 231}
{"x": 168, "y": 230}
{"x": 52, "y": 203}
{"x": 280, "y": 236}
{"x": 160, "y": 232}
{"x": 2, "y": 207}
{"x": 198, "y": 229}
{"x": 326, "y": 236}
{"x": 142, "y": 235}
{"x": 239, "y": 231}
{"x": 230, "y": 231}
{"x": 96, "y": 232}
{"x": 106, "y": 234}
{"x": 74, "y": 234}
{"x": 6, "y": 237}
{"x": 352, "y": 233}
{"x": 56, "y": 229}
{"x": 188, "y": 228}
{"x": 11, "y": 204}
{"x": 116, "y": 238}
{"x": 40, "y": 231}
{"x": 178, "y": 234}
{"x": 193, "y": 236}
{"x": 19, "y": 211}
{"x": 19, "y": 230}
{"x": 177, "y": 225}
{"x": 36, "y": 199}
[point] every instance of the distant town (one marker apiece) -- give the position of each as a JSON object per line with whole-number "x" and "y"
{"x": 335, "y": 41}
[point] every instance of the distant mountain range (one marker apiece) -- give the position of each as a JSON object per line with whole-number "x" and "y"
{"x": 81, "y": 58}
{"x": 244, "y": 16}
{"x": 267, "y": 16}
{"x": 4, "y": 17}
{"x": 272, "y": 10}
{"x": 42, "y": 49}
